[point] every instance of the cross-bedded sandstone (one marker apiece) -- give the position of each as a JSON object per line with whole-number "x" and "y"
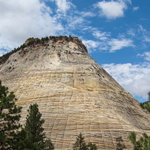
{"x": 74, "y": 94}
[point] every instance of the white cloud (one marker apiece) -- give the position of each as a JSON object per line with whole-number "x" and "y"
{"x": 145, "y": 34}
{"x": 87, "y": 14}
{"x": 146, "y": 55}
{"x": 135, "y": 8}
{"x": 101, "y": 35}
{"x": 107, "y": 43}
{"x": 23, "y": 19}
{"x": 112, "y": 9}
{"x": 91, "y": 44}
{"x": 63, "y": 5}
{"x": 141, "y": 29}
{"x": 116, "y": 44}
{"x": 2, "y": 52}
{"x": 74, "y": 22}
{"x": 129, "y": 1}
{"x": 146, "y": 38}
{"x": 131, "y": 32}
{"x": 6, "y": 46}
{"x": 134, "y": 78}
{"x": 112, "y": 44}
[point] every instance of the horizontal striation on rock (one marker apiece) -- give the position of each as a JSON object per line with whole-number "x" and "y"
{"x": 74, "y": 95}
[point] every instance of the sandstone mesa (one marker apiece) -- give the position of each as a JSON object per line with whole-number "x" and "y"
{"x": 74, "y": 94}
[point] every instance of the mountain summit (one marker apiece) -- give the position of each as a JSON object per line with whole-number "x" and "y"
{"x": 73, "y": 92}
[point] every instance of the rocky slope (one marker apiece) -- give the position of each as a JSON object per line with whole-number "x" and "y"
{"x": 74, "y": 94}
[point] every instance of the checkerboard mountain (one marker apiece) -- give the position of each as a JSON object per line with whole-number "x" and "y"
{"x": 75, "y": 95}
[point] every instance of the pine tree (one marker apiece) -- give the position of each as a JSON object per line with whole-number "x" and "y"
{"x": 120, "y": 144}
{"x": 20, "y": 141}
{"x": 146, "y": 140}
{"x": 92, "y": 146}
{"x": 80, "y": 143}
{"x": 33, "y": 130}
{"x": 149, "y": 96}
{"x": 9, "y": 118}
{"x": 142, "y": 144}
{"x": 146, "y": 105}
{"x": 49, "y": 145}
{"x": 132, "y": 138}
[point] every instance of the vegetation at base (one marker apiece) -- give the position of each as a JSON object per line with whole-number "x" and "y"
{"x": 146, "y": 105}
{"x": 11, "y": 137}
{"x": 9, "y": 118}
{"x": 34, "y": 41}
{"x": 49, "y": 145}
{"x": 142, "y": 144}
{"x": 81, "y": 145}
{"x": 32, "y": 136}
{"x": 120, "y": 144}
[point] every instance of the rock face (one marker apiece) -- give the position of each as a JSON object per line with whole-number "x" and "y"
{"x": 74, "y": 95}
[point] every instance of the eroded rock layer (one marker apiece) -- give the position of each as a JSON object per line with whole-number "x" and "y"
{"x": 74, "y": 95}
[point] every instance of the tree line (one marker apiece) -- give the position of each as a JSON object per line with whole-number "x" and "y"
{"x": 33, "y": 41}
{"x": 31, "y": 136}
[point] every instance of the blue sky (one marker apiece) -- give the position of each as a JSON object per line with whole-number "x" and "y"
{"x": 116, "y": 33}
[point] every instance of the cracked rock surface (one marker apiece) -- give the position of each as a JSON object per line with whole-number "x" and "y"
{"x": 74, "y": 95}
